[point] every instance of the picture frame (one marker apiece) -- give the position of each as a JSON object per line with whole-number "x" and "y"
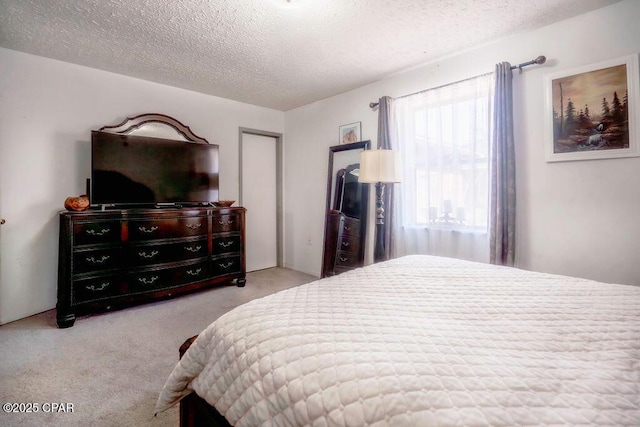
{"x": 591, "y": 112}
{"x": 350, "y": 133}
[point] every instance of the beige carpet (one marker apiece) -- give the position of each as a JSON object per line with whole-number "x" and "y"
{"x": 110, "y": 367}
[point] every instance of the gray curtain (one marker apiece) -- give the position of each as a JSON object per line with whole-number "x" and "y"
{"x": 385, "y": 142}
{"x": 502, "y": 203}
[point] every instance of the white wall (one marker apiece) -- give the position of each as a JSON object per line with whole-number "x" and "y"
{"x": 575, "y": 218}
{"x": 47, "y": 110}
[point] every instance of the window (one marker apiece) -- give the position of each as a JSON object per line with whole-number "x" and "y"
{"x": 443, "y": 136}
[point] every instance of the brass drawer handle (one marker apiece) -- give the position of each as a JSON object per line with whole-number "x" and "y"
{"x": 345, "y": 244}
{"x": 344, "y": 259}
{"x": 192, "y": 248}
{"x": 94, "y": 288}
{"x": 148, "y": 255}
{"x": 226, "y": 244}
{"x": 194, "y": 273}
{"x": 148, "y": 230}
{"x": 225, "y": 222}
{"x": 99, "y": 260}
{"x": 102, "y": 232}
{"x": 347, "y": 228}
{"x": 194, "y": 226}
{"x": 147, "y": 281}
{"x": 227, "y": 265}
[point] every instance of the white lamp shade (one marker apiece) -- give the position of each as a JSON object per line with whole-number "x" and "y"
{"x": 379, "y": 166}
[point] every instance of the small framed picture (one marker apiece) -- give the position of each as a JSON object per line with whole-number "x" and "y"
{"x": 592, "y": 111}
{"x": 350, "y": 133}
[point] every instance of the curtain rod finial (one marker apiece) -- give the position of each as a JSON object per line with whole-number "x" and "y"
{"x": 373, "y": 104}
{"x": 540, "y": 59}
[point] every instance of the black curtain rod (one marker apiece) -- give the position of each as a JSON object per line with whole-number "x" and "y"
{"x": 539, "y": 60}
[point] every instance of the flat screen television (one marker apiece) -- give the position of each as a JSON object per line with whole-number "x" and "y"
{"x": 141, "y": 170}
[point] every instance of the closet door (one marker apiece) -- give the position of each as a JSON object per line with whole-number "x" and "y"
{"x": 259, "y": 197}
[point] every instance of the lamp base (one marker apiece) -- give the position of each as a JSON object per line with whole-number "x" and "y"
{"x": 379, "y": 250}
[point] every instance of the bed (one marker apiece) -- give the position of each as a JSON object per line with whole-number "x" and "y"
{"x": 422, "y": 340}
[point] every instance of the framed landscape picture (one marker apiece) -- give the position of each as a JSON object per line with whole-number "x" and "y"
{"x": 592, "y": 111}
{"x": 350, "y": 133}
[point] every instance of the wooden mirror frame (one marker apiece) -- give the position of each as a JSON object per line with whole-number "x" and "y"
{"x": 364, "y": 201}
{"x": 139, "y": 124}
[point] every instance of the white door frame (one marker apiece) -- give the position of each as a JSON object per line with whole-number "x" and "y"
{"x": 279, "y": 185}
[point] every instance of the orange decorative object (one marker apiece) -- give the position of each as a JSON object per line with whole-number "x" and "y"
{"x": 79, "y": 203}
{"x": 224, "y": 203}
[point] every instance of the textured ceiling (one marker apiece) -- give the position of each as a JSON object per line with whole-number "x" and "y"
{"x": 271, "y": 53}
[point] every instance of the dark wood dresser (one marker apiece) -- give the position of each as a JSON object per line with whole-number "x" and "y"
{"x": 115, "y": 258}
{"x": 343, "y": 248}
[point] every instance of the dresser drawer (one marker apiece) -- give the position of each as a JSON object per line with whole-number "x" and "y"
{"x": 95, "y": 260}
{"x": 194, "y": 273}
{"x": 226, "y": 244}
{"x": 148, "y": 281}
{"x": 167, "y": 228}
{"x": 350, "y": 244}
{"x": 138, "y": 255}
{"x": 95, "y": 288}
{"x": 226, "y": 222}
{"x": 347, "y": 259}
{"x": 226, "y": 265}
{"x": 91, "y": 233}
{"x": 350, "y": 226}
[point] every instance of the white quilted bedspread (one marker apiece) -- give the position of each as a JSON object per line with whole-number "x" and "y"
{"x": 421, "y": 341}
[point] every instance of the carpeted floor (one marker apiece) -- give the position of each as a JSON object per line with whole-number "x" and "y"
{"x": 110, "y": 367}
